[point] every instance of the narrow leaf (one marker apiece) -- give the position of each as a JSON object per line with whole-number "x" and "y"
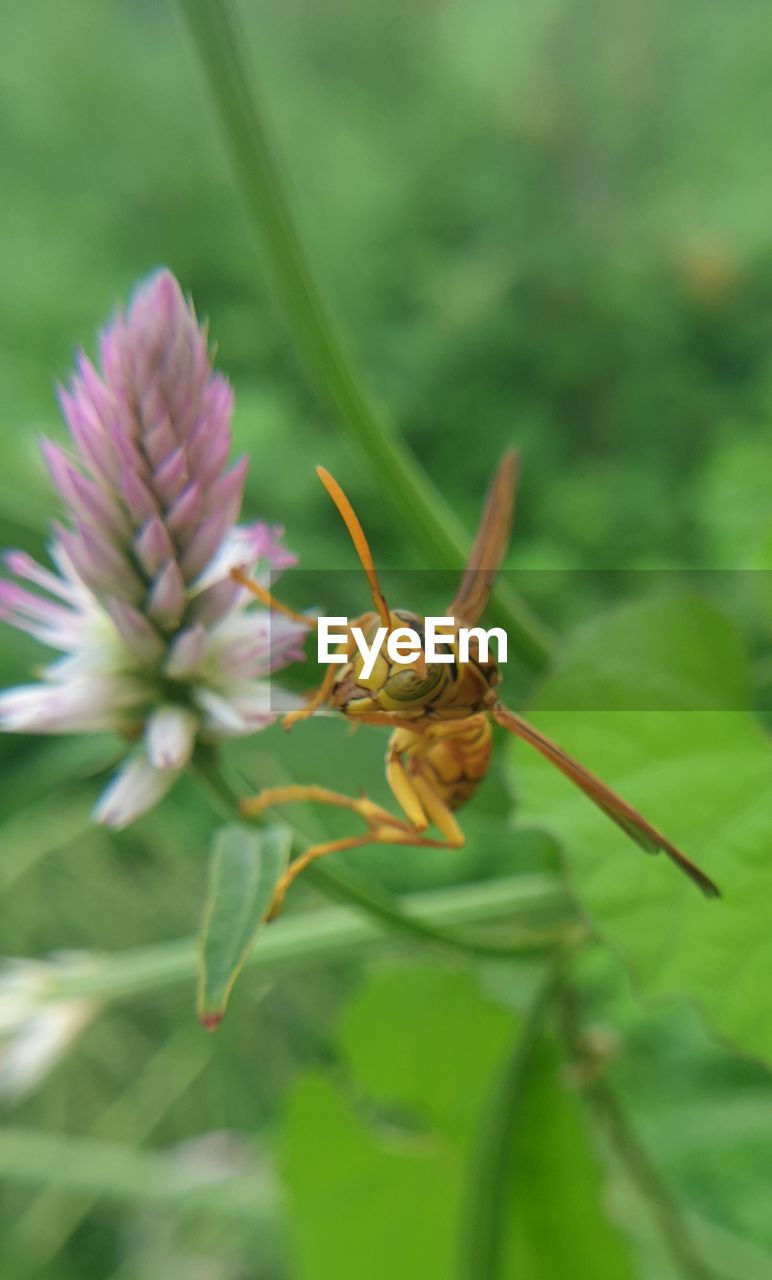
{"x": 244, "y": 869}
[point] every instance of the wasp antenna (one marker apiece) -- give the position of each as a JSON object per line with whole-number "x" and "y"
{"x": 356, "y": 533}
{"x": 267, "y": 598}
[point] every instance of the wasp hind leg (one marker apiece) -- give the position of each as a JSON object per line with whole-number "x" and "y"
{"x": 416, "y": 799}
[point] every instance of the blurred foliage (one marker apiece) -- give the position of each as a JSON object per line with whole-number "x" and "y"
{"x": 396, "y": 1147}
{"x": 700, "y": 771}
{"x": 539, "y": 223}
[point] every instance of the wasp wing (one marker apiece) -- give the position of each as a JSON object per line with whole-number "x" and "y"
{"x": 489, "y": 545}
{"x": 620, "y": 812}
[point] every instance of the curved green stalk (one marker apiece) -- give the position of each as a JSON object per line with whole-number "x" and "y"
{"x": 382, "y": 906}
{"x": 485, "y": 1216}
{"x": 418, "y": 504}
{"x": 665, "y": 1211}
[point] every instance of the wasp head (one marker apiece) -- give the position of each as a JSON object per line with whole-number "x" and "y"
{"x": 403, "y": 686}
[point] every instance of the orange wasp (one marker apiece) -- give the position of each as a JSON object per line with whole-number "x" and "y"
{"x": 440, "y": 713}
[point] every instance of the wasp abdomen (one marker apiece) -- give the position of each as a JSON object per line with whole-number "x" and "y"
{"x": 453, "y": 756}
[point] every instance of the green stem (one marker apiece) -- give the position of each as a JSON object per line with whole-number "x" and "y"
{"x": 418, "y": 504}
{"x": 566, "y": 932}
{"x": 309, "y": 939}
{"x": 486, "y": 1214}
{"x": 92, "y": 1168}
{"x": 610, "y": 1116}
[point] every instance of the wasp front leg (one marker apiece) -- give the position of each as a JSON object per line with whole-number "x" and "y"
{"x": 316, "y": 700}
{"x": 320, "y": 696}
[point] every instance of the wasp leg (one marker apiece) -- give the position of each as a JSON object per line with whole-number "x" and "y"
{"x": 391, "y": 833}
{"x": 383, "y": 827}
{"x": 316, "y": 700}
{"x": 404, "y": 792}
{"x": 310, "y": 793}
{"x": 438, "y": 812}
{"x": 300, "y": 863}
{"x": 267, "y": 598}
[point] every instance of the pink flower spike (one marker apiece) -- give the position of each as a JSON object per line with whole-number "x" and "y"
{"x": 171, "y": 477}
{"x": 156, "y": 637}
{"x": 83, "y": 496}
{"x": 160, "y": 439}
{"x": 208, "y": 449}
{"x": 166, "y": 603}
{"x": 101, "y": 566}
{"x": 153, "y": 546}
{"x": 89, "y": 436}
{"x": 137, "y": 632}
{"x": 226, "y": 493}
{"x": 183, "y": 515}
{"x": 142, "y": 504}
{"x": 204, "y": 544}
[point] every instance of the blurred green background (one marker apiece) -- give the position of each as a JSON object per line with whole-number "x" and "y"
{"x": 543, "y": 223}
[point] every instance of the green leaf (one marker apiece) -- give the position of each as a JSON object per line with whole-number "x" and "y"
{"x": 697, "y": 766}
{"x": 380, "y": 1176}
{"x": 245, "y": 867}
{"x": 402, "y": 1040}
{"x": 365, "y": 1202}
{"x": 672, "y": 653}
{"x": 554, "y": 1193}
{"x": 378, "y": 1184}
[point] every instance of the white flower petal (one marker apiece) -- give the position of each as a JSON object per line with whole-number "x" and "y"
{"x": 257, "y": 547}
{"x": 221, "y": 716}
{"x": 25, "y": 567}
{"x": 134, "y": 790}
{"x": 38, "y": 1044}
{"x": 35, "y": 1027}
{"x": 247, "y": 645}
{"x": 282, "y": 701}
{"x": 245, "y": 707}
{"x": 169, "y": 737}
{"x": 186, "y": 653}
{"x": 82, "y": 705}
{"x": 23, "y": 985}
